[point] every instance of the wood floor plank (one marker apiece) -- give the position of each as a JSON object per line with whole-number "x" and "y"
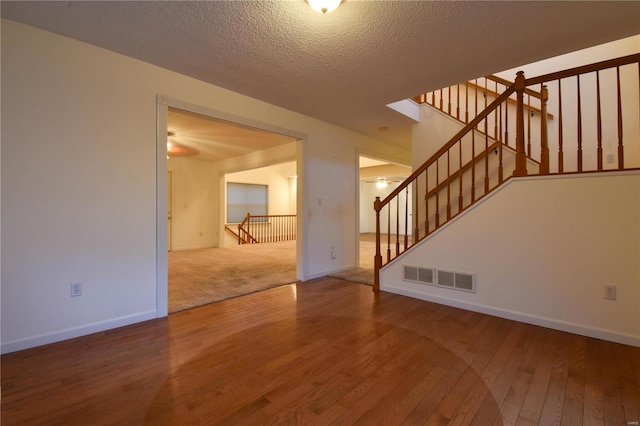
{"x": 534, "y": 401}
{"x": 318, "y": 353}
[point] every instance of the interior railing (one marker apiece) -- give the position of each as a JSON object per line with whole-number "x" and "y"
{"x": 256, "y": 229}
{"x": 603, "y": 100}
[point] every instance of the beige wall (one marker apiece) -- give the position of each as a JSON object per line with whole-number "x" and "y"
{"x": 79, "y": 187}
{"x": 542, "y": 250}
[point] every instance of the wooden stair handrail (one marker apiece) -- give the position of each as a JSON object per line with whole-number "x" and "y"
{"x": 585, "y": 69}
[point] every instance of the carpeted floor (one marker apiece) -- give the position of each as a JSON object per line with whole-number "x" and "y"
{"x": 198, "y": 277}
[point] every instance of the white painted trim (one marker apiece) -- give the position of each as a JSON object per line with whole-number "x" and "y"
{"x": 327, "y": 272}
{"x": 302, "y": 249}
{"x": 357, "y": 208}
{"x": 597, "y": 333}
{"x": 71, "y": 333}
{"x": 162, "y": 259}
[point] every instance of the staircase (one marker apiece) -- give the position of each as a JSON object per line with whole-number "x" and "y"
{"x": 510, "y": 137}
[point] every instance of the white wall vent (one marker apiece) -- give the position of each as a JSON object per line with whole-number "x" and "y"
{"x": 449, "y": 279}
{"x": 459, "y": 280}
{"x": 419, "y": 275}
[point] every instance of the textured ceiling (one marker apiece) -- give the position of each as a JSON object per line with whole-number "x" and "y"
{"x": 343, "y": 67}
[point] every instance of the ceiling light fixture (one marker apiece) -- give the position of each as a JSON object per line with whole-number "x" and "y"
{"x": 324, "y": 6}
{"x": 382, "y": 183}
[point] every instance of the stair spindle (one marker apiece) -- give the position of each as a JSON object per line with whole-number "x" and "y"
{"x": 426, "y": 203}
{"x": 437, "y": 193}
{"x": 486, "y": 158}
{"x": 473, "y": 166}
{"x": 598, "y": 121}
{"x": 620, "y": 146}
{"x": 406, "y": 216}
{"x": 528, "y": 125}
{"x": 448, "y": 184}
{"x": 397, "y": 226}
{"x": 460, "y": 176}
{"x": 521, "y": 157}
{"x": 544, "y": 136}
{"x": 466, "y": 103}
{"x": 560, "y": 148}
{"x": 500, "y": 167}
{"x": 579, "y": 128}
{"x": 458, "y": 101}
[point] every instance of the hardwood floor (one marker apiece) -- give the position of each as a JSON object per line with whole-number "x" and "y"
{"x": 324, "y": 352}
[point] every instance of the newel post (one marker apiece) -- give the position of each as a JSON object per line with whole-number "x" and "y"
{"x": 521, "y": 156}
{"x": 544, "y": 135}
{"x": 377, "y": 261}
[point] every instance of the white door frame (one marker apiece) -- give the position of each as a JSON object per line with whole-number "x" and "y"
{"x": 162, "y": 107}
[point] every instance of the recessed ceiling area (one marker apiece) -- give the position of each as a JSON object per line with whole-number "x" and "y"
{"x": 211, "y": 139}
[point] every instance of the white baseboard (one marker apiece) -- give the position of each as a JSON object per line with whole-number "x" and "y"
{"x": 70, "y": 333}
{"x": 598, "y": 333}
{"x": 329, "y": 272}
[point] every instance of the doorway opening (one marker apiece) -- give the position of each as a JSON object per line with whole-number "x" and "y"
{"x": 376, "y": 178}
{"x": 204, "y": 153}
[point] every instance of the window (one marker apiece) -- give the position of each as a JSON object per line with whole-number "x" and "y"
{"x": 243, "y": 198}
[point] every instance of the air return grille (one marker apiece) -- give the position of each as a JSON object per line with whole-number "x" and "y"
{"x": 419, "y": 275}
{"x": 449, "y": 279}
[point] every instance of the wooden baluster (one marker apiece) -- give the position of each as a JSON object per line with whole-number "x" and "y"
{"x": 500, "y": 167}
{"x": 449, "y": 100}
{"x": 437, "y": 193}
{"x": 500, "y": 131}
{"x": 473, "y": 166}
{"x": 397, "y": 225}
{"x": 521, "y": 157}
{"x": 377, "y": 260}
{"x": 486, "y": 157}
{"x": 441, "y": 100}
{"x": 529, "y": 125}
{"x": 388, "y": 232}
{"x": 544, "y": 134}
{"x": 426, "y": 199}
{"x": 560, "y": 149}
{"x": 460, "y": 176}
{"x": 599, "y": 120}
{"x": 506, "y": 123}
{"x": 466, "y": 103}
{"x": 495, "y": 118}
{"x": 416, "y": 217}
{"x": 620, "y": 146}
{"x": 406, "y": 216}
{"x": 486, "y": 99}
{"x": 448, "y": 184}
{"x": 458, "y": 101}
{"x": 475, "y": 112}
{"x": 579, "y": 128}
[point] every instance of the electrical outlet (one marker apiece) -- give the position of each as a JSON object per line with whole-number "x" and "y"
{"x": 610, "y": 292}
{"x": 76, "y": 289}
{"x": 333, "y": 253}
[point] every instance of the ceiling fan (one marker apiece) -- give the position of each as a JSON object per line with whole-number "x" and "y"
{"x": 383, "y": 182}
{"x": 175, "y": 149}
